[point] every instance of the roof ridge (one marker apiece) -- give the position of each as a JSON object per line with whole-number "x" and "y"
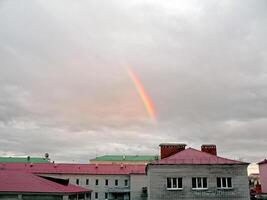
{"x": 195, "y": 156}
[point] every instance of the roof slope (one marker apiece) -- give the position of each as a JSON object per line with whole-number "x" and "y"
{"x": 101, "y": 169}
{"x": 193, "y": 156}
{"x": 263, "y": 162}
{"x": 126, "y": 158}
{"x": 23, "y": 160}
{"x": 19, "y": 181}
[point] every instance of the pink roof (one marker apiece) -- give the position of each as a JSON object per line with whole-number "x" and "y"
{"x": 263, "y": 162}
{"x": 193, "y": 156}
{"x": 100, "y": 169}
{"x": 20, "y": 181}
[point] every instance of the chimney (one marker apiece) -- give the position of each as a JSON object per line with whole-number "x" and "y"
{"x": 209, "y": 148}
{"x": 169, "y": 149}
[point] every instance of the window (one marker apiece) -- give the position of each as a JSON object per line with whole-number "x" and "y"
{"x": 106, "y": 196}
{"x": 116, "y": 182}
{"x": 87, "y": 181}
{"x": 106, "y": 182}
{"x": 96, "y": 195}
{"x": 77, "y": 181}
{"x": 199, "y": 183}
{"x": 174, "y": 183}
{"x": 96, "y": 181}
{"x": 224, "y": 182}
{"x": 125, "y": 182}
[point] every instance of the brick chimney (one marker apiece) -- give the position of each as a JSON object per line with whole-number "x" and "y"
{"x": 209, "y": 148}
{"x": 169, "y": 149}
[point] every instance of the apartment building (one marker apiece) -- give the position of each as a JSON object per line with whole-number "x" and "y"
{"x": 191, "y": 174}
{"x": 107, "y": 181}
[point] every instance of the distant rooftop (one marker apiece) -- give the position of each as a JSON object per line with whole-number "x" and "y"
{"x": 23, "y": 160}
{"x": 24, "y": 182}
{"x": 128, "y": 158}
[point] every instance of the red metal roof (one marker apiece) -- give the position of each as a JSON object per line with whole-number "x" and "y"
{"x": 24, "y": 182}
{"x": 263, "y": 162}
{"x": 193, "y": 156}
{"x": 100, "y": 169}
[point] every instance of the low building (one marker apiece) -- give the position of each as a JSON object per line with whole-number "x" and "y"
{"x": 108, "y": 181}
{"x": 192, "y": 174}
{"x": 263, "y": 177}
{"x": 125, "y": 159}
{"x": 25, "y": 159}
{"x": 27, "y": 186}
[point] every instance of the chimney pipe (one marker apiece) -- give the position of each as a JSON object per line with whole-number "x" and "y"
{"x": 169, "y": 149}
{"x": 209, "y": 148}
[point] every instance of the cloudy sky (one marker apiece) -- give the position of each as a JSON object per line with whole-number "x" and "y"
{"x": 64, "y": 87}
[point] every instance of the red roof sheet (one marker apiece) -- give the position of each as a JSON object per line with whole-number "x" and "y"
{"x": 193, "y": 156}
{"x": 20, "y": 181}
{"x": 100, "y": 169}
{"x": 263, "y": 162}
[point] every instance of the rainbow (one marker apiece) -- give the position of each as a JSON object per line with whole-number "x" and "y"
{"x": 148, "y": 103}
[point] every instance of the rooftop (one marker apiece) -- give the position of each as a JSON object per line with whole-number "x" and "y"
{"x": 263, "y": 162}
{"x": 193, "y": 156}
{"x": 23, "y": 160}
{"x": 129, "y": 158}
{"x": 23, "y": 182}
{"x": 100, "y": 169}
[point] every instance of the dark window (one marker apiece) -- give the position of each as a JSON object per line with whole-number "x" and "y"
{"x": 180, "y": 183}
{"x": 224, "y": 182}
{"x": 116, "y": 182}
{"x": 205, "y": 185}
{"x": 77, "y": 181}
{"x": 169, "y": 183}
{"x": 106, "y": 195}
{"x": 199, "y": 183}
{"x": 96, "y": 182}
{"x": 219, "y": 182}
{"x": 106, "y": 182}
{"x": 125, "y": 182}
{"x": 87, "y": 181}
{"x": 229, "y": 182}
{"x": 174, "y": 183}
{"x": 96, "y": 195}
{"x": 194, "y": 183}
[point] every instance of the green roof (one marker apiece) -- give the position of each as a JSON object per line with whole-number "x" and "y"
{"x": 23, "y": 160}
{"x": 126, "y": 158}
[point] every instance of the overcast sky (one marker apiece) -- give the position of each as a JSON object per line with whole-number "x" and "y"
{"x": 64, "y": 88}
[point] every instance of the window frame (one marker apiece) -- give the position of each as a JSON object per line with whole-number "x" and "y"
{"x": 126, "y": 183}
{"x": 116, "y": 183}
{"x": 177, "y": 183}
{"x": 201, "y": 187}
{"x": 226, "y": 187}
{"x": 96, "y": 195}
{"x": 106, "y": 195}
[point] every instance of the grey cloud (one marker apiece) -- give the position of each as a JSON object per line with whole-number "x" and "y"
{"x": 63, "y": 76}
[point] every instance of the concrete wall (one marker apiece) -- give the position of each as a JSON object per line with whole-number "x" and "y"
{"x": 263, "y": 177}
{"x": 135, "y": 182}
{"x": 138, "y": 182}
{"x": 157, "y": 182}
